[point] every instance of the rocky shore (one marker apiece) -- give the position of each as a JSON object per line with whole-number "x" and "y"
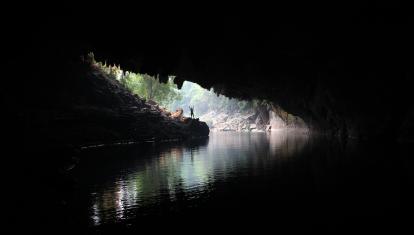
{"x": 99, "y": 110}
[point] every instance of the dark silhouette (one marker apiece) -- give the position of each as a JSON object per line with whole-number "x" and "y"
{"x": 191, "y": 112}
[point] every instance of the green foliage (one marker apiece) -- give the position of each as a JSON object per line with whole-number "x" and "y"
{"x": 144, "y": 85}
{"x": 168, "y": 95}
{"x": 151, "y": 88}
{"x": 207, "y": 100}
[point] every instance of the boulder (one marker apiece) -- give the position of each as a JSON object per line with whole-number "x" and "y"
{"x": 151, "y": 102}
{"x": 177, "y": 114}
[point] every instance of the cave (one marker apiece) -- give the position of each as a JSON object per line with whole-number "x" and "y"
{"x": 315, "y": 134}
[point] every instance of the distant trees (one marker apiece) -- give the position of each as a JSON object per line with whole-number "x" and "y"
{"x": 144, "y": 85}
{"x": 168, "y": 95}
{"x": 204, "y": 101}
{"x": 151, "y": 88}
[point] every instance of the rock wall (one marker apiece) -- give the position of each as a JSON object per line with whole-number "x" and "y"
{"x": 97, "y": 109}
{"x": 263, "y": 118}
{"x": 275, "y": 121}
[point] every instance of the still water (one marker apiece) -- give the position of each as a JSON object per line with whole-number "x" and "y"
{"x": 285, "y": 178}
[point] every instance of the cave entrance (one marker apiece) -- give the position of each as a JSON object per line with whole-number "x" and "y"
{"x": 221, "y": 113}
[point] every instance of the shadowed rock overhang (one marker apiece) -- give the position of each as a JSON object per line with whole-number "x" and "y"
{"x": 348, "y": 70}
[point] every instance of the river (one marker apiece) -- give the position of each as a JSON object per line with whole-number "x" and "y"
{"x": 284, "y": 181}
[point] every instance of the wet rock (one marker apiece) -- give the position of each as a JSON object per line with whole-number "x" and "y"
{"x": 198, "y": 128}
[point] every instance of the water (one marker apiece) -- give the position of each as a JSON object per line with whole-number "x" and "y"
{"x": 283, "y": 181}
{"x": 157, "y": 181}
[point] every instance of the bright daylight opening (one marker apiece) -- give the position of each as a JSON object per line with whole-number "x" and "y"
{"x": 221, "y": 113}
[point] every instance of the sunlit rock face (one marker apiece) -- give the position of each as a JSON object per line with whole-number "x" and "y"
{"x": 265, "y": 117}
{"x": 275, "y": 121}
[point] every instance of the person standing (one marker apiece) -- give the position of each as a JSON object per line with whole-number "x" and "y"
{"x": 192, "y": 111}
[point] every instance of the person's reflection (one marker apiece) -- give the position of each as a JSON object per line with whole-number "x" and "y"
{"x": 194, "y": 146}
{"x": 192, "y": 155}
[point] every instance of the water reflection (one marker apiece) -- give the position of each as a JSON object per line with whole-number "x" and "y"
{"x": 151, "y": 178}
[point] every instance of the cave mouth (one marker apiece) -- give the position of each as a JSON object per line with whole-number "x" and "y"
{"x": 219, "y": 112}
{"x": 222, "y": 113}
